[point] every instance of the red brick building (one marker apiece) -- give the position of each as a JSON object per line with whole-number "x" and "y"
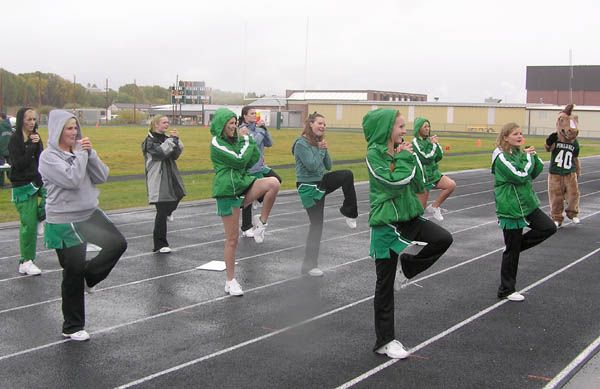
{"x": 562, "y": 85}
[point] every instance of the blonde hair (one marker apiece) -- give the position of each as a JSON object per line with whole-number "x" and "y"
{"x": 154, "y": 121}
{"x": 507, "y": 129}
{"x": 68, "y": 122}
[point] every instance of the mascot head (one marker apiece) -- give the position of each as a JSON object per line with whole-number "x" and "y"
{"x": 566, "y": 125}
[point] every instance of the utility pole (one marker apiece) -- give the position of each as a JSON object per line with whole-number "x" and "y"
{"x": 107, "y": 103}
{"x": 134, "y": 100}
{"x": 39, "y": 89}
{"x": 74, "y": 94}
{"x": 178, "y": 98}
{"x": 570, "y": 76}
{"x": 1, "y": 91}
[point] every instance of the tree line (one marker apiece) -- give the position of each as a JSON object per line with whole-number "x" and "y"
{"x": 48, "y": 90}
{"x": 40, "y": 89}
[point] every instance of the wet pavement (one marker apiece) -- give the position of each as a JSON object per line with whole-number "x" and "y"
{"x": 157, "y": 321}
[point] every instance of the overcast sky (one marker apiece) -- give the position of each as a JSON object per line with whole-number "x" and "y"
{"x": 459, "y": 51}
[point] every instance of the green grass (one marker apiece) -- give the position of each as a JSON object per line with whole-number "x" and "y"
{"x": 119, "y": 148}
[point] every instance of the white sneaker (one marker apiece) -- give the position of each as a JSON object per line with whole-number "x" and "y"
{"x": 249, "y": 233}
{"x": 78, "y": 336}
{"x": 515, "y": 296}
{"x": 557, "y": 224}
{"x": 40, "y": 228}
{"x": 393, "y": 349}
{"x": 170, "y": 218}
{"x": 351, "y": 222}
{"x": 164, "y": 250}
{"x": 92, "y": 248}
{"x": 316, "y": 272}
{"x": 29, "y": 268}
{"x": 401, "y": 281}
{"x": 233, "y": 288}
{"x": 435, "y": 211}
{"x": 259, "y": 229}
{"x": 576, "y": 220}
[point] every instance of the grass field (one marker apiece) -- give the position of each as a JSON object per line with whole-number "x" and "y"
{"x": 119, "y": 148}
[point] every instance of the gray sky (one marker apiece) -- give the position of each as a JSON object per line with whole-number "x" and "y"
{"x": 460, "y": 51}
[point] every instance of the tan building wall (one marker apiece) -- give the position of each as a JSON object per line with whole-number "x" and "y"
{"x": 451, "y": 117}
{"x": 543, "y": 121}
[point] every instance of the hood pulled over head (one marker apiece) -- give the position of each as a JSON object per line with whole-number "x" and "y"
{"x": 378, "y": 124}
{"x": 56, "y": 122}
{"x": 222, "y": 116}
{"x": 417, "y": 124}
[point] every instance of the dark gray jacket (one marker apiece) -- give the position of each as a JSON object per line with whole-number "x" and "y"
{"x": 163, "y": 180}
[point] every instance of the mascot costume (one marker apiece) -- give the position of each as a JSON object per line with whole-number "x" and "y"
{"x": 564, "y": 168}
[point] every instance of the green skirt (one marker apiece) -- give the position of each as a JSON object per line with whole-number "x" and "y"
{"x": 310, "y": 194}
{"x": 385, "y": 238}
{"x": 61, "y": 236}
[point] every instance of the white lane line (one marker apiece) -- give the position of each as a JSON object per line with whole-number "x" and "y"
{"x": 194, "y": 269}
{"x": 329, "y": 313}
{"x": 180, "y": 309}
{"x": 216, "y": 225}
{"x": 281, "y": 214}
{"x": 176, "y": 273}
{"x": 218, "y": 299}
{"x": 22, "y": 352}
{"x": 463, "y": 323}
{"x": 241, "y": 259}
{"x": 583, "y": 357}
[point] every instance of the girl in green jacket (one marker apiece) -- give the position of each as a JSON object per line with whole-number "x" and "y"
{"x": 517, "y": 204}
{"x": 429, "y": 152}
{"x": 235, "y": 188}
{"x": 395, "y": 178}
{"x": 314, "y": 183}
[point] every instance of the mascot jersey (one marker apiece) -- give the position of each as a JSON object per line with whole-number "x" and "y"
{"x": 562, "y": 161}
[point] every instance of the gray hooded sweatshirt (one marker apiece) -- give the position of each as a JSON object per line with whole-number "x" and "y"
{"x": 69, "y": 177}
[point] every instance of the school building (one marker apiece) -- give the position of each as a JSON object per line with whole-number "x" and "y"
{"x": 535, "y": 119}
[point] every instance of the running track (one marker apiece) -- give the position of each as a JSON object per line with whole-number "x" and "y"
{"x": 157, "y": 321}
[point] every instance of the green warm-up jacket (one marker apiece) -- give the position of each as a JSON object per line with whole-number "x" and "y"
{"x": 394, "y": 179}
{"x": 429, "y": 154}
{"x": 231, "y": 158}
{"x": 514, "y": 172}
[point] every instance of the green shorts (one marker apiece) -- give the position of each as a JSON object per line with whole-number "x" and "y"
{"x": 61, "y": 236}
{"x": 225, "y": 205}
{"x": 310, "y": 194}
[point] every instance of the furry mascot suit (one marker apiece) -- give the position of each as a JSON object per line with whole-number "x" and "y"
{"x": 564, "y": 167}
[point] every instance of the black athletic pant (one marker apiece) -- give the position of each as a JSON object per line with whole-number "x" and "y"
{"x": 330, "y": 182}
{"x": 99, "y": 230}
{"x": 163, "y": 210}
{"x": 438, "y": 240}
{"x": 542, "y": 227}
{"x": 247, "y": 211}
